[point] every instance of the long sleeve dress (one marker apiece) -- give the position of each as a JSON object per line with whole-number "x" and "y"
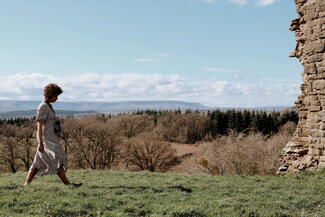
{"x": 54, "y": 156}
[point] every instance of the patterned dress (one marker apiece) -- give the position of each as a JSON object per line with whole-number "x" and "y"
{"x": 53, "y": 156}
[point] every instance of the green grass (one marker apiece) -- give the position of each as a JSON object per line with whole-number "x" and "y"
{"x": 107, "y": 193}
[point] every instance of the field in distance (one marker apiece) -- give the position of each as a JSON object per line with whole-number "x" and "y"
{"x": 110, "y": 193}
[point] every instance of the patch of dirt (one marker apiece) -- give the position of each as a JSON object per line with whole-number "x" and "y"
{"x": 183, "y": 149}
{"x": 187, "y": 154}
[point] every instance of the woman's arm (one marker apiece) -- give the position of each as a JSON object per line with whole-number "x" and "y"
{"x": 40, "y": 125}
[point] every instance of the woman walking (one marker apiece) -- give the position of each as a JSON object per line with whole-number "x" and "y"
{"x": 50, "y": 157}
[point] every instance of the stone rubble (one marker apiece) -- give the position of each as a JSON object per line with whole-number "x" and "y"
{"x": 306, "y": 150}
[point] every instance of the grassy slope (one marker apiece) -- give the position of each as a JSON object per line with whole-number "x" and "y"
{"x": 107, "y": 193}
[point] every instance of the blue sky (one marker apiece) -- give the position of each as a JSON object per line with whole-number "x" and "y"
{"x": 216, "y": 52}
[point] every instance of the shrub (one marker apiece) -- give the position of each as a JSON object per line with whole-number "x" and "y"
{"x": 147, "y": 152}
{"x": 243, "y": 154}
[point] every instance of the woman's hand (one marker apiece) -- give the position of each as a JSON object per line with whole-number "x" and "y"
{"x": 41, "y": 147}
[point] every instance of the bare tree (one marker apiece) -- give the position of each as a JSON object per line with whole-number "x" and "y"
{"x": 146, "y": 152}
{"x": 131, "y": 125}
{"x": 94, "y": 142}
{"x": 172, "y": 127}
{"x": 9, "y": 144}
{"x": 26, "y": 144}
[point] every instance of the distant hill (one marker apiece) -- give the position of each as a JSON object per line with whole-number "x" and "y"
{"x": 12, "y": 108}
{"x": 121, "y": 106}
{"x": 31, "y": 113}
{"x": 290, "y": 109}
{"x": 262, "y": 108}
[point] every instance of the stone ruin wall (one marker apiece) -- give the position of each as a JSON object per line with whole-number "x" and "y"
{"x": 306, "y": 150}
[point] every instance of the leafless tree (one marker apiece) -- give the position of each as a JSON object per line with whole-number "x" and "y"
{"x": 146, "y": 152}
{"x": 131, "y": 125}
{"x": 95, "y": 143}
{"x": 9, "y": 144}
{"x": 27, "y": 142}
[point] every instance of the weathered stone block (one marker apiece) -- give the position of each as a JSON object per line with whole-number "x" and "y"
{"x": 321, "y": 92}
{"x": 304, "y": 132}
{"x": 315, "y": 103}
{"x": 314, "y": 108}
{"x": 310, "y": 68}
{"x": 313, "y": 58}
{"x": 313, "y": 125}
{"x": 311, "y": 15}
{"x": 322, "y": 126}
{"x": 314, "y": 151}
{"x": 301, "y": 152}
{"x": 317, "y": 146}
{"x": 321, "y": 69}
{"x": 321, "y": 35}
{"x": 305, "y": 139}
{"x": 321, "y": 14}
{"x": 319, "y": 84}
{"x": 304, "y": 113}
{"x": 309, "y": 159}
{"x": 320, "y": 64}
{"x": 322, "y": 102}
{"x": 319, "y": 47}
{"x": 313, "y": 98}
{"x": 292, "y": 144}
{"x": 317, "y": 133}
{"x": 321, "y": 114}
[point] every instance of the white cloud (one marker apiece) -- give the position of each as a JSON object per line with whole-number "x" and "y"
{"x": 243, "y": 2}
{"x": 235, "y": 73}
{"x": 145, "y": 60}
{"x": 154, "y": 57}
{"x": 265, "y": 2}
{"x": 209, "y": 1}
{"x": 237, "y": 76}
{"x": 240, "y": 2}
{"x": 131, "y": 86}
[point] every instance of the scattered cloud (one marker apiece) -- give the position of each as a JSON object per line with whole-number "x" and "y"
{"x": 145, "y": 60}
{"x": 209, "y": 1}
{"x": 240, "y": 2}
{"x": 153, "y": 58}
{"x": 266, "y": 2}
{"x": 243, "y": 2}
{"x": 237, "y": 76}
{"x": 277, "y": 80}
{"x": 131, "y": 86}
{"x": 206, "y": 1}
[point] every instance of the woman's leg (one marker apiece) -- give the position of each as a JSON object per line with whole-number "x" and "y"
{"x": 63, "y": 177}
{"x": 30, "y": 175}
{"x": 65, "y": 180}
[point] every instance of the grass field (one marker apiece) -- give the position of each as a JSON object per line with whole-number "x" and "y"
{"x": 107, "y": 193}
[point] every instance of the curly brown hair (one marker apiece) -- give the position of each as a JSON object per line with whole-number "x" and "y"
{"x": 52, "y": 90}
